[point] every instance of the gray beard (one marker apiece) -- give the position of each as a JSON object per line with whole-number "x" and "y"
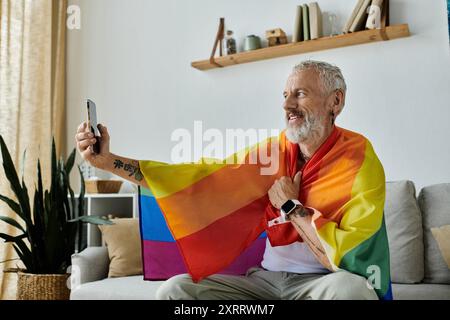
{"x": 304, "y": 132}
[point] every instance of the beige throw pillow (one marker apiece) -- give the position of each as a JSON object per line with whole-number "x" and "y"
{"x": 442, "y": 236}
{"x": 124, "y": 247}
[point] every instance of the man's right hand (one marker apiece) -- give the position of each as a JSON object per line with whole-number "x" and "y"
{"x": 85, "y": 140}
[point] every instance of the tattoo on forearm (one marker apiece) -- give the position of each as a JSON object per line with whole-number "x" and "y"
{"x": 133, "y": 170}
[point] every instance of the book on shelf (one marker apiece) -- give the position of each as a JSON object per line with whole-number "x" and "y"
{"x": 297, "y": 35}
{"x": 305, "y": 12}
{"x": 352, "y": 16}
{"x": 385, "y": 14}
{"x": 315, "y": 20}
{"x": 361, "y": 18}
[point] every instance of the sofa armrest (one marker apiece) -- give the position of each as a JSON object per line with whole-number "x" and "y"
{"x": 90, "y": 265}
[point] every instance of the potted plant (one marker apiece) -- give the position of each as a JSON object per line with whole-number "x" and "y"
{"x": 49, "y": 226}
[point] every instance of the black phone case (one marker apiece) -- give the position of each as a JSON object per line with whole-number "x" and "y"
{"x": 96, "y": 146}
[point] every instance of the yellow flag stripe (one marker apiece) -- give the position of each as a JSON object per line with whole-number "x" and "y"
{"x": 164, "y": 179}
{"x": 368, "y": 211}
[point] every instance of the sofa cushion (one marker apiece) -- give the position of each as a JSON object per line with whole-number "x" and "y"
{"x": 404, "y": 229}
{"x": 434, "y": 201}
{"x": 124, "y": 247}
{"x": 89, "y": 265}
{"x": 124, "y": 288}
{"x": 423, "y": 291}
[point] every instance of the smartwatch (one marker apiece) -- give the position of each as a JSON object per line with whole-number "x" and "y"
{"x": 289, "y": 207}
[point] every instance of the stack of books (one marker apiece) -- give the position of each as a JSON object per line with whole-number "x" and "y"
{"x": 308, "y": 22}
{"x": 363, "y": 16}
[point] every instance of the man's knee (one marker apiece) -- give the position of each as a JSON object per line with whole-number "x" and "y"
{"x": 175, "y": 288}
{"x": 343, "y": 285}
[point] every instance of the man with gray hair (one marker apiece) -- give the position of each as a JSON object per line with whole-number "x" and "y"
{"x": 314, "y": 96}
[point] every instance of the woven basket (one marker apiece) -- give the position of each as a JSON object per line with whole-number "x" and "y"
{"x": 42, "y": 286}
{"x": 103, "y": 186}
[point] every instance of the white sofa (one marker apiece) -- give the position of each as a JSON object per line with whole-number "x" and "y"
{"x": 418, "y": 270}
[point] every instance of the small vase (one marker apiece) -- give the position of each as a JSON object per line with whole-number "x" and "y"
{"x": 252, "y": 42}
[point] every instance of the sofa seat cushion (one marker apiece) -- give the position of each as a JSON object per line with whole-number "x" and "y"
{"x": 125, "y": 288}
{"x": 423, "y": 291}
{"x": 434, "y": 201}
{"x": 404, "y": 229}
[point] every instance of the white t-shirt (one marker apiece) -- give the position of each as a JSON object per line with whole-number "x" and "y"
{"x": 295, "y": 257}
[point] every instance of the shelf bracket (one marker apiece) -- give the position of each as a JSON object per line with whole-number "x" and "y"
{"x": 218, "y": 42}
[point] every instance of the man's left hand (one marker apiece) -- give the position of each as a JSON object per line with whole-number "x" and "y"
{"x": 285, "y": 189}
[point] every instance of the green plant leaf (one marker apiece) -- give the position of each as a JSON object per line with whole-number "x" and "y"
{"x": 70, "y": 161}
{"x": 9, "y": 167}
{"x": 80, "y": 209}
{"x": 39, "y": 231}
{"x": 40, "y": 187}
{"x": 11, "y": 175}
{"x": 12, "y": 204}
{"x": 82, "y": 192}
{"x": 26, "y": 205}
{"x": 47, "y": 208}
{"x": 30, "y": 225}
{"x": 21, "y": 248}
{"x": 12, "y": 222}
{"x": 15, "y": 239}
{"x": 39, "y": 209}
{"x": 72, "y": 200}
{"x": 93, "y": 220}
{"x": 26, "y": 258}
{"x": 68, "y": 169}
{"x": 64, "y": 189}
{"x": 54, "y": 168}
{"x": 48, "y": 238}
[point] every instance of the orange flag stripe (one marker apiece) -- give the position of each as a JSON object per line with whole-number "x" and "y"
{"x": 211, "y": 206}
{"x": 339, "y": 173}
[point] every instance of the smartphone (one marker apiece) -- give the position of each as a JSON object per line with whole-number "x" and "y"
{"x": 92, "y": 120}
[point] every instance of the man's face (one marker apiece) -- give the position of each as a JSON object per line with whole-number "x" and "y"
{"x": 305, "y": 105}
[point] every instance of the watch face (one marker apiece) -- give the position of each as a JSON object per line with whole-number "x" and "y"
{"x": 288, "y": 206}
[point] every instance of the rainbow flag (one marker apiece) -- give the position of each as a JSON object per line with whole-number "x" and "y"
{"x": 215, "y": 210}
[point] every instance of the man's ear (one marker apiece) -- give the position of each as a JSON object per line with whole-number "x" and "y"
{"x": 338, "y": 102}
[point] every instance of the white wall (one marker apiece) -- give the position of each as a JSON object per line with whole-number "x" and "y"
{"x": 133, "y": 58}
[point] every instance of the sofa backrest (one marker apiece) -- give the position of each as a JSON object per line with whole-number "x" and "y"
{"x": 434, "y": 202}
{"x": 405, "y": 233}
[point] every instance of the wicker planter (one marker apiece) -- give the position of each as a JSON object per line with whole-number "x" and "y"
{"x": 42, "y": 286}
{"x": 103, "y": 186}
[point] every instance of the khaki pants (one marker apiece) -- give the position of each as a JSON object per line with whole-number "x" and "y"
{"x": 261, "y": 284}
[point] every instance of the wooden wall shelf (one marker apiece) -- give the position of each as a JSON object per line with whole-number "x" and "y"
{"x": 343, "y": 40}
